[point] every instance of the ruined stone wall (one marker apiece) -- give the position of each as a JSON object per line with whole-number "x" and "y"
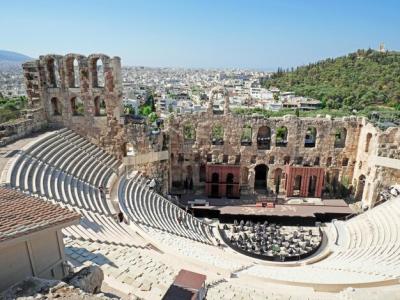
{"x": 189, "y": 155}
{"x": 369, "y": 177}
{"x": 58, "y": 84}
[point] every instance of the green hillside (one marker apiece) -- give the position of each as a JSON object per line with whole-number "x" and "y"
{"x": 358, "y": 80}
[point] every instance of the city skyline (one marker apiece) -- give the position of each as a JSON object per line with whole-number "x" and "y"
{"x": 261, "y": 35}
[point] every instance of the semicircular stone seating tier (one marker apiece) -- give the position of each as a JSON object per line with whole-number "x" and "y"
{"x": 67, "y": 168}
{"x": 149, "y": 209}
{"x": 369, "y": 251}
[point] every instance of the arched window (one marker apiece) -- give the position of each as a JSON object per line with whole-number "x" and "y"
{"x": 53, "y": 72}
{"x": 55, "y": 107}
{"x": 311, "y": 137}
{"x": 340, "y": 138}
{"x": 100, "y": 80}
{"x": 297, "y": 185}
{"x": 369, "y": 137}
{"x": 99, "y": 107}
{"x": 229, "y": 178}
{"x": 246, "y": 137}
{"x": 286, "y": 160}
{"x": 345, "y": 162}
{"x": 312, "y": 184}
{"x": 215, "y": 178}
{"x": 76, "y": 70}
{"x": 264, "y": 138}
{"x": 77, "y": 106}
{"x": 189, "y": 133}
{"x": 281, "y": 136}
{"x": 217, "y": 135}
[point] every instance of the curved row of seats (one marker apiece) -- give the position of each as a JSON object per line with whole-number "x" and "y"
{"x": 371, "y": 252}
{"x": 139, "y": 271}
{"x": 146, "y": 207}
{"x": 67, "y": 168}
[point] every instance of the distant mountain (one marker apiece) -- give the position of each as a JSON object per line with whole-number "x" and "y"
{"x": 357, "y": 80}
{"x": 12, "y": 60}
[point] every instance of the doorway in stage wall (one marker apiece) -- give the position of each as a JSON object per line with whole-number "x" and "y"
{"x": 260, "y": 178}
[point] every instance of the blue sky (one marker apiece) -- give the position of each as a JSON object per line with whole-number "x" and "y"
{"x": 248, "y": 34}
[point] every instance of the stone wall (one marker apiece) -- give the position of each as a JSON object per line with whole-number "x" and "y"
{"x": 80, "y": 93}
{"x": 338, "y": 159}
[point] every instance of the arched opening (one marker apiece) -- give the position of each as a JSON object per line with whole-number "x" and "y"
{"x": 260, "y": 179}
{"x": 217, "y": 135}
{"x": 76, "y": 70}
{"x": 189, "y": 133}
{"x": 310, "y": 138}
{"x": 188, "y": 184}
{"x": 369, "y": 136}
{"x": 202, "y": 173}
{"x": 98, "y": 73}
{"x": 340, "y": 138}
{"x": 286, "y": 160}
{"x": 229, "y": 185}
{"x": 129, "y": 150}
{"x": 56, "y": 106}
{"x": 246, "y": 137}
{"x": 54, "y": 73}
{"x": 297, "y": 185}
{"x": 99, "y": 107}
{"x": 215, "y": 185}
{"x": 312, "y": 184}
{"x": 360, "y": 188}
{"x": 264, "y": 138}
{"x": 345, "y": 162}
{"x": 77, "y": 106}
{"x": 277, "y": 180}
{"x": 281, "y": 136}
{"x": 329, "y": 161}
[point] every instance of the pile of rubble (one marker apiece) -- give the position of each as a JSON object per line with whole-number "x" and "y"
{"x": 82, "y": 285}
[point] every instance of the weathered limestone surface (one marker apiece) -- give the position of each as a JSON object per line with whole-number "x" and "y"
{"x": 41, "y": 289}
{"x": 88, "y": 279}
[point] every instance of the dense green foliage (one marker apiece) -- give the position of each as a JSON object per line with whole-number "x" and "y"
{"x": 10, "y": 108}
{"x": 360, "y": 79}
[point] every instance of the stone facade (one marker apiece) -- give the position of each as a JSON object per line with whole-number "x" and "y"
{"x": 81, "y": 93}
{"x": 85, "y": 94}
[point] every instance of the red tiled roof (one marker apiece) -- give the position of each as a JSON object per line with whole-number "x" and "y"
{"x": 21, "y": 214}
{"x": 189, "y": 280}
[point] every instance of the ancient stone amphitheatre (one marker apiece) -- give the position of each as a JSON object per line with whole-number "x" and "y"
{"x": 270, "y": 224}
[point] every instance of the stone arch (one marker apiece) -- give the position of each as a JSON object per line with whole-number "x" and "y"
{"x": 72, "y": 63}
{"x": 281, "y": 136}
{"x": 77, "y": 107}
{"x": 56, "y": 109}
{"x": 53, "y": 72}
{"x": 340, "y": 138}
{"x": 310, "y": 139}
{"x": 214, "y": 184}
{"x": 261, "y": 175}
{"x": 99, "y": 107}
{"x": 286, "y": 160}
{"x": 264, "y": 138}
{"x": 217, "y": 135}
{"x": 245, "y": 139}
{"x": 76, "y": 70}
{"x": 360, "y": 187}
{"x": 99, "y": 68}
{"x": 368, "y": 141}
